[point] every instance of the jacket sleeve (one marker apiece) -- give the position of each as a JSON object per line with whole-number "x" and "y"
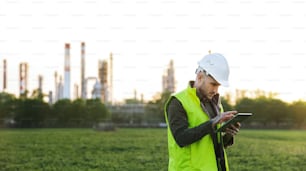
{"x": 178, "y": 124}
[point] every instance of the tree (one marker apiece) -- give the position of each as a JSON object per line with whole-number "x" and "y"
{"x": 248, "y": 105}
{"x": 297, "y": 112}
{"x": 155, "y": 108}
{"x": 265, "y": 110}
{"x": 37, "y": 94}
{"x": 78, "y": 113}
{"x": 96, "y": 111}
{"x": 62, "y": 112}
{"x": 30, "y": 112}
{"x": 276, "y": 110}
{"x": 6, "y": 100}
{"x": 226, "y": 105}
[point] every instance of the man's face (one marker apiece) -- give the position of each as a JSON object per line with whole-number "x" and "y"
{"x": 209, "y": 87}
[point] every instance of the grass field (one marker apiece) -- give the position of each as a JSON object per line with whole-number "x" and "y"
{"x": 139, "y": 150}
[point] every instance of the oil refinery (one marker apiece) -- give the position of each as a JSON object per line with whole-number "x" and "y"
{"x": 102, "y": 83}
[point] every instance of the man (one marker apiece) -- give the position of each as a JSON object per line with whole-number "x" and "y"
{"x": 193, "y": 116}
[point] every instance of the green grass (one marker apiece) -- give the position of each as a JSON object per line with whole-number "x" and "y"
{"x": 269, "y": 150}
{"x": 83, "y": 149}
{"x": 138, "y": 150}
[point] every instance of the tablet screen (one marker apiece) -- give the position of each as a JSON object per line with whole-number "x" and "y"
{"x": 239, "y": 117}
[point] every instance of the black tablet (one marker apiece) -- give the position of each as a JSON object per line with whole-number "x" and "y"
{"x": 239, "y": 117}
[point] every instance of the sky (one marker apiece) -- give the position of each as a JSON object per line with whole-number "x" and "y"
{"x": 264, "y": 42}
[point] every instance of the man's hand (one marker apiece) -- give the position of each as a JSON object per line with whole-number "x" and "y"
{"x": 233, "y": 129}
{"x": 225, "y": 116}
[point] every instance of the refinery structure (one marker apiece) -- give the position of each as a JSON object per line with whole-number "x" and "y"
{"x": 131, "y": 112}
{"x": 102, "y": 83}
{"x": 168, "y": 80}
{"x": 102, "y": 88}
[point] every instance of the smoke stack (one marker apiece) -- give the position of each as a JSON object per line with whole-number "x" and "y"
{"x": 23, "y": 78}
{"x": 135, "y": 94}
{"x": 111, "y": 78}
{"x": 60, "y": 88}
{"x": 141, "y": 98}
{"x": 67, "y": 72}
{"x": 56, "y": 87}
{"x": 50, "y": 98}
{"x": 40, "y": 83}
{"x": 76, "y": 91}
{"x": 4, "y": 74}
{"x": 83, "y": 82}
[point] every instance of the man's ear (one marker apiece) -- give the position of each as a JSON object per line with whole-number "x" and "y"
{"x": 200, "y": 76}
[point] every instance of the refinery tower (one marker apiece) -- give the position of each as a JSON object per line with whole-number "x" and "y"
{"x": 67, "y": 72}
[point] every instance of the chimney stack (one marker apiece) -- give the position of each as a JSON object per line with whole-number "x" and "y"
{"x": 4, "y": 74}
{"x": 40, "y": 83}
{"x": 23, "y": 78}
{"x": 83, "y": 82}
{"x": 67, "y": 72}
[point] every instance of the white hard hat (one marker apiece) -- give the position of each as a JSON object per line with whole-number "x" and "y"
{"x": 215, "y": 65}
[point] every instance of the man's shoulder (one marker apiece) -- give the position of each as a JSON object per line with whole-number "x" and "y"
{"x": 173, "y": 101}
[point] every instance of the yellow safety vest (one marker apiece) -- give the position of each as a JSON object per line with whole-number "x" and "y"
{"x": 200, "y": 155}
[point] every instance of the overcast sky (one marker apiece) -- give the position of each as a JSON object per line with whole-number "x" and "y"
{"x": 264, "y": 42}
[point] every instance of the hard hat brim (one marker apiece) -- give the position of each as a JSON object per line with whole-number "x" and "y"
{"x": 224, "y": 83}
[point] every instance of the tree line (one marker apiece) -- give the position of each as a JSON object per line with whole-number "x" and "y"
{"x": 33, "y": 112}
{"x": 268, "y": 111}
